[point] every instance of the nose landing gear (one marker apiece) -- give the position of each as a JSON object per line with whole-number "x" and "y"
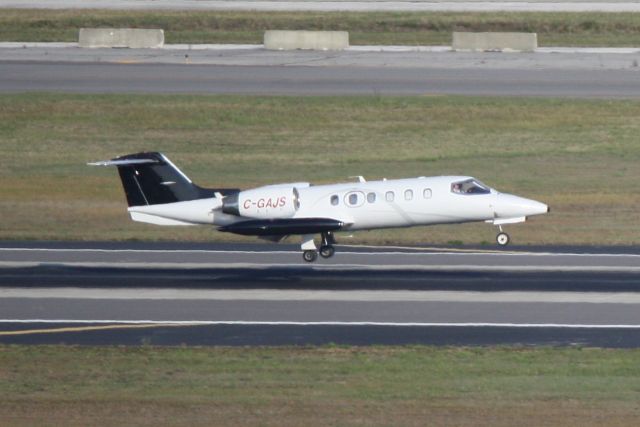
{"x": 502, "y": 238}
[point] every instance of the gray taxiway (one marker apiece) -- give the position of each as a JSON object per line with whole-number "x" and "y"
{"x": 360, "y": 70}
{"x": 289, "y": 80}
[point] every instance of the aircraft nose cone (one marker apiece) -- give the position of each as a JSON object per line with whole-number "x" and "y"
{"x": 510, "y": 206}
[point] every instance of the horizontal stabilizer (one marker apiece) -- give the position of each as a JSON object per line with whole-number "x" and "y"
{"x": 126, "y": 162}
{"x": 284, "y": 226}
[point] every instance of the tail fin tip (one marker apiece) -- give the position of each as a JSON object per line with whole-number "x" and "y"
{"x": 149, "y": 178}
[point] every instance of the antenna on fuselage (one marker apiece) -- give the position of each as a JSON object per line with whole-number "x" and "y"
{"x": 360, "y": 178}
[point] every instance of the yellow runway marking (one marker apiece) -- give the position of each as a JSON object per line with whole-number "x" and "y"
{"x": 86, "y": 329}
{"x": 127, "y": 61}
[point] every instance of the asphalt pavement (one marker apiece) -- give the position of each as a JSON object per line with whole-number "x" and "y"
{"x": 166, "y": 294}
{"x": 289, "y": 80}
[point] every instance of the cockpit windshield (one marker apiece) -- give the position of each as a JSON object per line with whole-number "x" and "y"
{"x": 469, "y": 186}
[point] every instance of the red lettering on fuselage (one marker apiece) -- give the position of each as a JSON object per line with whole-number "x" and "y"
{"x": 266, "y": 203}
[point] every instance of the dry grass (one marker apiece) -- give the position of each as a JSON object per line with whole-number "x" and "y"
{"x": 580, "y": 156}
{"x": 411, "y": 28}
{"x": 320, "y": 412}
{"x": 318, "y": 386}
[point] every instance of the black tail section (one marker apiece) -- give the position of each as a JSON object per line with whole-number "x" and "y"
{"x": 151, "y": 179}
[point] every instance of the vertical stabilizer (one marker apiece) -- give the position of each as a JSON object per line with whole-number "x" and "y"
{"x": 151, "y": 179}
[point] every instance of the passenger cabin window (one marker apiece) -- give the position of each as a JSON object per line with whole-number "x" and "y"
{"x": 408, "y": 195}
{"x": 335, "y": 200}
{"x": 354, "y": 199}
{"x": 426, "y": 193}
{"x": 469, "y": 186}
{"x": 371, "y": 197}
{"x": 389, "y": 196}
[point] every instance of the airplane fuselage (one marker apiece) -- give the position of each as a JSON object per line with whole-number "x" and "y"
{"x": 158, "y": 192}
{"x": 359, "y": 205}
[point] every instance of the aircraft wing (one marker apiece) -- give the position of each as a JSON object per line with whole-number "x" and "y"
{"x": 283, "y": 226}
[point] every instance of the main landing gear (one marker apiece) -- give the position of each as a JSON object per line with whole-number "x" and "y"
{"x": 327, "y": 251}
{"x": 310, "y": 256}
{"x": 310, "y": 252}
{"x": 502, "y": 238}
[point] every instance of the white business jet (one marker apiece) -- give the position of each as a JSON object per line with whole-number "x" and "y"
{"x": 159, "y": 193}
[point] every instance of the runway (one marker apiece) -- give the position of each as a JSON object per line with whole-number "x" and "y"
{"x": 289, "y": 80}
{"x": 171, "y": 294}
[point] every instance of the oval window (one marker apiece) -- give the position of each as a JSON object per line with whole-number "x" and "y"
{"x": 335, "y": 200}
{"x": 371, "y": 197}
{"x": 354, "y": 199}
{"x": 408, "y": 195}
{"x": 426, "y": 193}
{"x": 389, "y": 196}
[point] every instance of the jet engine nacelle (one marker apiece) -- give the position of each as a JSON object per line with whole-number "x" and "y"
{"x": 277, "y": 201}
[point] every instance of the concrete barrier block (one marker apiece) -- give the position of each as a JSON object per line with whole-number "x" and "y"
{"x": 313, "y": 40}
{"x": 520, "y": 42}
{"x": 121, "y": 37}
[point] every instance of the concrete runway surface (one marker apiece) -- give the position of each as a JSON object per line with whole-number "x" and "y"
{"x": 358, "y": 57}
{"x": 224, "y": 294}
{"x": 335, "y": 80}
{"x": 360, "y": 70}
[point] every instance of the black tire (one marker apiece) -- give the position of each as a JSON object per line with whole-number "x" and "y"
{"x": 503, "y": 239}
{"x": 327, "y": 251}
{"x": 309, "y": 256}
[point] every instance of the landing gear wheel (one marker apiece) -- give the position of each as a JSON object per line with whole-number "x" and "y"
{"x": 502, "y": 239}
{"x": 310, "y": 256}
{"x": 327, "y": 251}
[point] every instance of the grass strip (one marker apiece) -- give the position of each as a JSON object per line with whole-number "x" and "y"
{"x": 403, "y": 28}
{"x": 318, "y": 386}
{"x": 579, "y": 156}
